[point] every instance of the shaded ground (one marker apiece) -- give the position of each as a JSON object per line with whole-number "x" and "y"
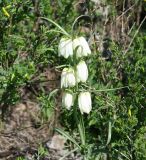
{"x": 23, "y": 133}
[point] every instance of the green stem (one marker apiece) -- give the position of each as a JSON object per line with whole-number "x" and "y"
{"x": 81, "y": 129}
{"x": 57, "y": 25}
{"x": 77, "y": 115}
{"x": 77, "y": 19}
{"x": 104, "y": 90}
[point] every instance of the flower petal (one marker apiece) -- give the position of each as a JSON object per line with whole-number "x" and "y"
{"x": 84, "y": 102}
{"x": 67, "y": 100}
{"x": 82, "y": 72}
{"x": 81, "y": 47}
{"x": 65, "y": 48}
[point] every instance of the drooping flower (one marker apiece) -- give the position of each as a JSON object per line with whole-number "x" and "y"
{"x": 84, "y": 102}
{"x": 67, "y": 100}
{"x": 65, "y": 48}
{"x": 68, "y": 78}
{"x": 81, "y": 47}
{"x": 81, "y": 72}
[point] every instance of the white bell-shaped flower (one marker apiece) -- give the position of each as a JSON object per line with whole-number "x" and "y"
{"x": 65, "y": 48}
{"x": 68, "y": 78}
{"x": 67, "y": 100}
{"x": 81, "y": 72}
{"x": 84, "y": 102}
{"x": 81, "y": 47}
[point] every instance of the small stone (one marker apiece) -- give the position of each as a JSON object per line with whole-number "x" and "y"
{"x": 57, "y": 142}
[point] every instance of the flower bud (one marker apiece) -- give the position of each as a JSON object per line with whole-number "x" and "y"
{"x": 81, "y": 47}
{"x": 68, "y": 78}
{"x": 67, "y": 100}
{"x": 84, "y": 102}
{"x": 65, "y": 48}
{"x": 81, "y": 72}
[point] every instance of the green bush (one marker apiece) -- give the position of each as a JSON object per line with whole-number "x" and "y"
{"x": 115, "y": 128}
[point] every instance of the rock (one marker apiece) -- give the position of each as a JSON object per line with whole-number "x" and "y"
{"x": 57, "y": 142}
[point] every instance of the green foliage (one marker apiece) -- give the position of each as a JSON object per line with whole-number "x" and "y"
{"x": 20, "y": 158}
{"x": 139, "y": 144}
{"x": 116, "y": 126}
{"x": 41, "y": 153}
{"x": 47, "y": 103}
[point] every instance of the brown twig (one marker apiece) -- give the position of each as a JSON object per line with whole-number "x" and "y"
{"x": 135, "y": 35}
{"x": 37, "y": 15}
{"x": 125, "y": 12}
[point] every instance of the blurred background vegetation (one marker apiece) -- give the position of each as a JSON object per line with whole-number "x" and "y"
{"x": 116, "y": 32}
